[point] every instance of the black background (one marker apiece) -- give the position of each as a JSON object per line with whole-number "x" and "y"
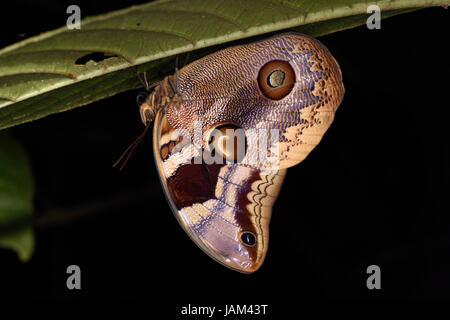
{"x": 375, "y": 191}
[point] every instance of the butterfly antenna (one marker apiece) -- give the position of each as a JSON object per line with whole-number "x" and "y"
{"x": 127, "y": 153}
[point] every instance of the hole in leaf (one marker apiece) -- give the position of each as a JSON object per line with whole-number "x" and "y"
{"x": 94, "y": 56}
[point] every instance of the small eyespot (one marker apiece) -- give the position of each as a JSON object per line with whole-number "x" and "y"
{"x": 229, "y": 142}
{"x": 248, "y": 238}
{"x": 276, "y": 79}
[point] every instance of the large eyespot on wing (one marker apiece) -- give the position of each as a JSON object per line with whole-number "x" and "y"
{"x": 228, "y": 141}
{"x": 224, "y": 208}
{"x": 276, "y": 79}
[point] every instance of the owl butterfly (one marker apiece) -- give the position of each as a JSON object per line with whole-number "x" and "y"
{"x": 226, "y": 128}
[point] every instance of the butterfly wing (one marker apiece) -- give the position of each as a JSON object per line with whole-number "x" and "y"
{"x": 226, "y": 207}
{"x": 223, "y": 87}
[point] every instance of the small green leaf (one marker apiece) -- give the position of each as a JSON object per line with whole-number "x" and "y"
{"x": 63, "y": 69}
{"x": 16, "y": 195}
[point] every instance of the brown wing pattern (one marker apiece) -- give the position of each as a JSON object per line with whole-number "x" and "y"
{"x": 226, "y": 207}
{"x": 221, "y": 206}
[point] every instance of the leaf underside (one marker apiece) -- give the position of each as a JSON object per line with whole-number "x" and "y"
{"x": 53, "y": 72}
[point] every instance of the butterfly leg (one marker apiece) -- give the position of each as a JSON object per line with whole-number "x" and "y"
{"x": 143, "y": 80}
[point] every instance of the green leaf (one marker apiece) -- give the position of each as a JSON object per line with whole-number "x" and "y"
{"x": 52, "y": 72}
{"x": 322, "y": 28}
{"x": 16, "y": 195}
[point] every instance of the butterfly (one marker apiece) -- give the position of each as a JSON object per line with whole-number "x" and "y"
{"x": 227, "y": 127}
